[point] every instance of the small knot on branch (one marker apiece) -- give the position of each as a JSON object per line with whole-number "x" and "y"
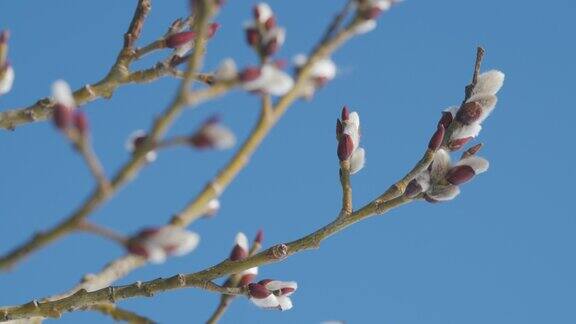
{"x": 279, "y": 251}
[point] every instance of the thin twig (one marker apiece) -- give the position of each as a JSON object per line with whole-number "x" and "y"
{"x": 346, "y": 188}
{"x": 129, "y": 170}
{"x": 94, "y": 165}
{"x": 196, "y": 208}
{"x": 90, "y": 227}
{"x": 201, "y": 279}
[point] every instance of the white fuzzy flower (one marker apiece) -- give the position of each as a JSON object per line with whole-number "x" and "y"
{"x": 134, "y": 140}
{"x": 63, "y": 94}
{"x": 365, "y": 27}
{"x": 156, "y": 244}
{"x": 357, "y": 160}
{"x": 321, "y": 71}
{"x": 272, "y": 294}
{"x": 270, "y": 79}
{"x": 6, "y": 78}
{"x": 226, "y": 71}
{"x": 489, "y": 82}
{"x": 213, "y": 135}
{"x": 263, "y": 12}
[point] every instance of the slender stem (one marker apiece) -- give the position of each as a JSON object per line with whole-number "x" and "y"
{"x": 201, "y": 279}
{"x": 195, "y": 209}
{"x": 94, "y": 165}
{"x": 129, "y": 170}
{"x": 90, "y": 227}
{"x": 346, "y": 188}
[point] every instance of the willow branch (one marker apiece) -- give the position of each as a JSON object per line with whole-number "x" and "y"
{"x": 202, "y": 279}
{"x": 196, "y": 208}
{"x": 129, "y": 170}
{"x": 83, "y": 299}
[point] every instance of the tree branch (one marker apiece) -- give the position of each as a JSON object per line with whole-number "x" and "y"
{"x": 201, "y": 279}
{"x": 129, "y": 170}
{"x": 196, "y": 208}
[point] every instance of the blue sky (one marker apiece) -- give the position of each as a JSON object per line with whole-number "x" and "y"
{"x": 502, "y": 252}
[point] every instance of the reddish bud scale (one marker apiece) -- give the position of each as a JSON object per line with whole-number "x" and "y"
{"x": 413, "y": 189}
{"x": 246, "y": 279}
{"x": 177, "y": 60}
{"x": 264, "y": 282}
{"x": 147, "y": 232}
{"x": 469, "y": 113}
{"x": 238, "y": 253}
{"x": 472, "y": 151}
{"x": 271, "y": 47}
{"x": 81, "y": 123}
{"x": 437, "y": 138}
{"x": 286, "y": 290}
{"x": 446, "y": 119}
{"x": 137, "y": 249}
{"x": 457, "y": 144}
{"x": 200, "y": 141}
{"x": 345, "y": 147}
{"x": 4, "y": 36}
{"x": 250, "y": 74}
{"x": 339, "y": 129}
{"x": 270, "y": 23}
{"x": 179, "y": 39}
{"x": 281, "y": 64}
{"x": 321, "y": 81}
{"x": 212, "y": 29}
{"x": 460, "y": 174}
{"x": 345, "y": 113}
{"x": 258, "y": 291}
{"x": 62, "y": 116}
{"x": 259, "y": 237}
{"x": 372, "y": 13}
{"x": 252, "y": 37}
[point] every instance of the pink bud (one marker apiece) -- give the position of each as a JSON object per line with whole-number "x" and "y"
{"x": 81, "y": 123}
{"x": 4, "y": 36}
{"x": 460, "y": 174}
{"x": 259, "y": 237}
{"x": 469, "y": 113}
{"x": 345, "y": 113}
{"x": 345, "y": 147}
{"x": 372, "y": 13}
{"x": 258, "y": 291}
{"x": 252, "y": 36}
{"x": 212, "y": 29}
{"x": 137, "y": 248}
{"x": 238, "y": 253}
{"x": 62, "y": 116}
{"x": 271, "y": 47}
{"x": 413, "y": 189}
{"x": 246, "y": 279}
{"x": 437, "y": 138}
{"x": 287, "y": 290}
{"x": 339, "y": 129}
{"x": 472, "y": 151}
{"x": 264, "y": 282}
{"x": 179, "y": 39}
{"x": 250, "y": 74}
{"x": 446, "y": 119}
{"x": 270, "y": 23}
{"x": 457, "y": 144}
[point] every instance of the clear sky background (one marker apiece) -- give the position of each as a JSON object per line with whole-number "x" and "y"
{"x": 502, "y": 252}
